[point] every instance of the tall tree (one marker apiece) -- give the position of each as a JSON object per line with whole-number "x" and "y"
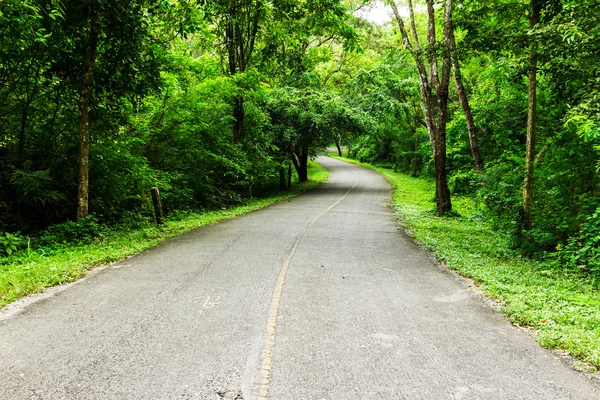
{"x": 119, "y": 62}
{"x": 534, "y": 16}
{"x": 464, "y": 100}
{"x": 239, "y": 22}
{"x": 434, "y": 89}
{"x": 83, "y": 118}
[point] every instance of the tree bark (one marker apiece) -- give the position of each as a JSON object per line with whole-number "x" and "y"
{"x": 238, "y": 116}
{"x": 441, "y": 180}
{"x": 464, "y": 102}
{"x": 83, "y": 117}
{"x": 158, "y": 210}
{"x": 339, "y": 147}
{"x": 282, "y": 182}
{"x": 289, "y": 175}
{"x": 427, "y": 102}
{"x": 416, "y": 158}
{"x": 526, "y": 221}
{"x": 300, "y": 161}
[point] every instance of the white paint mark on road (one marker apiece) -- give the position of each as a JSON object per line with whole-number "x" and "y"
{"x": 383, "y": 336}
{"x": 210, "y": 302}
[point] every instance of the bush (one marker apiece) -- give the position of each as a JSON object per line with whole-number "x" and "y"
{"x": 82, "y": 232}
{"x": 464, "y": 182}
{"x": 9, "y": 243}
{"x": 582, "y": 252}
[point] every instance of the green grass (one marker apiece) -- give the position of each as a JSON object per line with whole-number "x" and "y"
{"x": 562, "y": 308}
{"x": 26, "y": 272}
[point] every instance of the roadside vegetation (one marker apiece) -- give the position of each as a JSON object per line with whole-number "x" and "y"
{"x": 561, "y": 305}
{"x": 65, "y": 252}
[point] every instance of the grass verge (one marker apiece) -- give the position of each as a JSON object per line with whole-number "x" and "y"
{"x": 562, "y": 308}
{"x": 28, "y": 272}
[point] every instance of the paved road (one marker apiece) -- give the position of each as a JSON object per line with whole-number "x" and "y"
{"x": 301, "y": 300}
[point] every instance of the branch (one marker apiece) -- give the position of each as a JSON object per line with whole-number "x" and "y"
{"x": 405, "y": 37}
{"x": 413, "y": 24}
{"x": 432, "y": 42}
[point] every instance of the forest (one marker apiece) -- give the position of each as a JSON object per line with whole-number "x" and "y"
{"x": 214, "y": 102}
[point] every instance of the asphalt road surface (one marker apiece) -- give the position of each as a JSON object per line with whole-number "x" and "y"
{"x": 320, "y": 297}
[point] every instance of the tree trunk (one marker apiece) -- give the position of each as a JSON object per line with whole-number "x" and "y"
{"x": 339, "y": 147}
{"x": 531, "y": 124}
{"x": 83, "y": 117}
{"x": 241, "y": 29}
{"x": 464, "y": 102}
{"x": 289, "y": 175}
{"x": 442, "y": 191}
{"x": 441, "y": 180}
{"x": 21, "y": 153}
{"x": 238, "y": 116}
{"x": 301, "y": 164}
{"x": 282, "y": 182}
{"x": 416, "y": 159}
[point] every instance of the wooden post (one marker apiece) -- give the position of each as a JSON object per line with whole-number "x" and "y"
{"x": 158, "y": 211}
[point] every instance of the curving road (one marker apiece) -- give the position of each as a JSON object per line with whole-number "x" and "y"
{"x": 320, "y": 297}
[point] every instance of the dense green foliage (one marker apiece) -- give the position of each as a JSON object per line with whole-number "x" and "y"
{"x": 214, "y": 101}
{"x": 164, "y": 101}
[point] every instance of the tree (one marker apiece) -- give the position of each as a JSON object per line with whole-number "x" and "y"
{"x": 238, "y": 22}
{"x": 83, "y": 118}
{"x": 309, "y": 120}
{"x": 126, "y": 29}
{"x": 534, "y": 17}
{"x": 464, "y": 101}
{"x": 430, "y": 82}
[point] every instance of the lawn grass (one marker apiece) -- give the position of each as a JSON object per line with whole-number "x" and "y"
{"x": 562, "y": 308}
{"x": 28, "y": 272}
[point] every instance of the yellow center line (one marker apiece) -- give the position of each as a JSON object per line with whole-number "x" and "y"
{"x": 267, "y": 354}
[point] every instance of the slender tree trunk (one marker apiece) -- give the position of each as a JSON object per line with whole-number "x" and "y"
{"x": 427, "y": 102}
{"x": 338, "y": 145}
{"x": 83, "y": 117}
{"x": 416, "y": 159}
{"x": 24, "y": 113}
{"x": 531, "y": 124}
{"x": 289, "y": 175}
{"x": 464, "y": 102}
{"x": 282, "y": 182}
{"x": 238, "y": 116}
{"x": 241, "y": 29}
